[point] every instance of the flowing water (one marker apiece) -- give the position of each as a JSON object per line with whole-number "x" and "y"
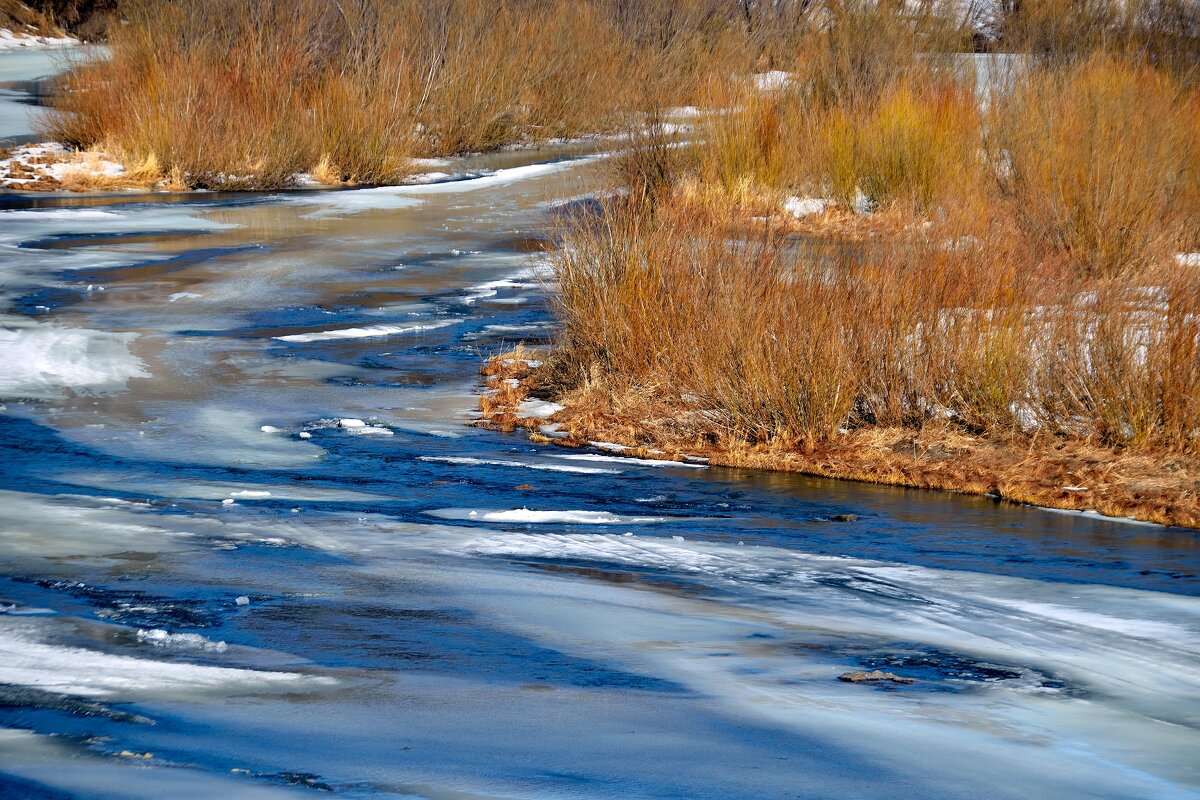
{"x": 213, "y": 581}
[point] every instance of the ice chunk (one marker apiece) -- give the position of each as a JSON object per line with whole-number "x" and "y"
{"x": 539, "y": 517}
{"x": 188, "y": 641}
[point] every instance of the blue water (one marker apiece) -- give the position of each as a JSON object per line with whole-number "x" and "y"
{"x": 363, "y": 634}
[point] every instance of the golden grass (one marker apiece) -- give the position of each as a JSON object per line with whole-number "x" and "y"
{"x": 246, "y": 95}
{"x": 703, "y": 323}
{"x": 1164, "y": 34}
{"x": 1100, "y": 161}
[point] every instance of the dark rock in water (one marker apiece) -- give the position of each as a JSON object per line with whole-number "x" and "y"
{"x": 843, "y": 518}
{"x": 875, "y": 676}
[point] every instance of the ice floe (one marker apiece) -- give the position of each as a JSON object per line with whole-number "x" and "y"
{"x": 28, "y": 658}
{"x": 472, "y": 461}
{"x": 522, "y": 515}
{"x": 368, "y": 332}
{"x": 41, "y": 361}
{"x": 183, "y": 641}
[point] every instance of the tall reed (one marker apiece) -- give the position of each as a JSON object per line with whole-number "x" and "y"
{"x": 1100, "y": 162}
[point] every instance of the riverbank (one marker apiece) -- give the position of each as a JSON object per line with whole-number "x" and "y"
{"x": 1158, "y": 487}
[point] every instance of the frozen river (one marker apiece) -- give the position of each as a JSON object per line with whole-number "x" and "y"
{"x": 210, "y": 586}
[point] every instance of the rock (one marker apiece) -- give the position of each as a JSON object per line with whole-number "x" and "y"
{"x": 875, "y": 676}
{"x": 843, "y": 518}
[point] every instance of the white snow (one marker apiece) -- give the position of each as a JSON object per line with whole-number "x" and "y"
{"x": 553, "y": 431}
{"x": 1188, "y": 259}
{"x": 610, "y": 446}
{"x": 183, "y": 641}
{"x": 771, "y": 81}
{"x": 52, "y": 160}
{"x": 366, "y": 332}
{"x": 641, "y": 462}
{"x": 12, "y": 40}
{"x": 800, "y": 207}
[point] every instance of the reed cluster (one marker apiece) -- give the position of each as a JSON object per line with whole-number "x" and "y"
{"x": 248, "y": 94}
{"x": 1017, "y": 280}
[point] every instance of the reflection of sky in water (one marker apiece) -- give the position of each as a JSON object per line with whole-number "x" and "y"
{"x": 376, "y": 648}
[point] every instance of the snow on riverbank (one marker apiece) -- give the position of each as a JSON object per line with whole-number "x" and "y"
{"x": 21, "y": 40}
{"x": 50, "y": 166}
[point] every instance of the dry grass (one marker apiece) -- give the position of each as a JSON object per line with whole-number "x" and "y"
{"x": 955, "y": 317}
{"x": 1099, "y": 162}
{"x": 239, "y": 94}
{"x": 17, "y": 16}
{"x": 1164, "y": 34}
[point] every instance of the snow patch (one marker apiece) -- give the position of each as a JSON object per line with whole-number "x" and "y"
{"x": 14, "y": 40}
{"x": 800, "y": 207}
{"x": 641, "y": 462}
{"x": 772, "y": 81}
{"x": 542, "y": 409}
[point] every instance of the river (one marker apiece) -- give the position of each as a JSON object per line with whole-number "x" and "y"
{"x": 215, "y": 580}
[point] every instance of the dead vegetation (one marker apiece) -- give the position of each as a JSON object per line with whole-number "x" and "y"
{"x": 989, "y": 302}
{"x": 237, "y": 94}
